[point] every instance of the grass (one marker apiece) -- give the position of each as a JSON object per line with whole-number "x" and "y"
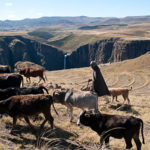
{"x": 68, "y": 135}
{"x": 134, "y": 72}
{"x": 69, "y": 39}
{"x": 44, "y": 35}
{"x": 73, "y": 41}
{"x": 140, "y": 103}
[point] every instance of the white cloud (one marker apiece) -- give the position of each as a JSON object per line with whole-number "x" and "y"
{"x": 8, "y": 4}
{"x": 39, "y": 14}
{"x": 12, "y": 16}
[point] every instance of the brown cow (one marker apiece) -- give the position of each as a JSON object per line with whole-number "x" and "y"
{"x": 33, "y": 72}
{"x": 28, "y": 105}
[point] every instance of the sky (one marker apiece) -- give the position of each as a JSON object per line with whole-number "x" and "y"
{"x": 21, "y": 9}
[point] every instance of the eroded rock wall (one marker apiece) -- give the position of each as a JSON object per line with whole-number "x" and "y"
{"x": 18, "y": 48}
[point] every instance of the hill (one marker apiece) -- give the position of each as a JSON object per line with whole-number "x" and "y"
{"x": 118, "y": 74}
{"x": 134, "y": 72}
{"x": 27, "y": 24}
{"x": 73, "y": 41}
{"x": 70, "y": 22}
{"x": 97, "y": 40}
{"x": 66, "y": 135}
{"x": 69, "y": 40}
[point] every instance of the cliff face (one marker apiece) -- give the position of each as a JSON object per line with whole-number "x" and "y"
{"x": 129, "y": 49}
{"x": 17, "y": 48}
{"x": 108, "y": 50}
{"x": 13, "y": 49}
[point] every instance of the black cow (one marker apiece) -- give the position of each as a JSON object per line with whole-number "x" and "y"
{"x": 32, "y": 90}
{"x": 127, "y": 127}
{"x": 5, "y": 69}
{"x": 12, "y": 91}
{"x": 10, "y": 80}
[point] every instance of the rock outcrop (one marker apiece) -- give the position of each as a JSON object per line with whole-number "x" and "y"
{"x": 17, "y": 48}
{"x": 108, "y": 50}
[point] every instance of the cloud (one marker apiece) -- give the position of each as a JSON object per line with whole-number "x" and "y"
{"x": 12, "y": 16}
{"x": 8, "y": 4}
{"x": 39, "y": 14}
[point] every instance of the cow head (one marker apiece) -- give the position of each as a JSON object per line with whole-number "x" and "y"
{"x": 59, "y": 96}
{"x": 86, "y": 118}
{"x": 22, "y": 71}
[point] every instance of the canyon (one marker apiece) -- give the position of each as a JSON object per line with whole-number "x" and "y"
{"x": 18, "y": 48}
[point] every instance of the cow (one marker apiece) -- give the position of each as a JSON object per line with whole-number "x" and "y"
{"x": 33, "y": 72}
{"x": 117, "y": 126}
{"x": 28, "y": 105}
{"x": 5, "y": 69}
{"x": 10, "y": 80}
{"x": 12, "y": 91}
{"x": 72, "y": 99}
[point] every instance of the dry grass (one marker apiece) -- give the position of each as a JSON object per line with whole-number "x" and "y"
{"x": 66, "y": 135}
{"x": 70, "y": 39}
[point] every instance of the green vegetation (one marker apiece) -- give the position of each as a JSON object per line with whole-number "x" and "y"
{"x": 43, "y": 35}
{"x": 73, "y": 41}
{"x": 100, "y": 26}
{"x": 89, "y": 27}
{"x": 122, "y": 24}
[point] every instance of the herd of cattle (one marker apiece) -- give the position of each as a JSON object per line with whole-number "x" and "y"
{"x": 18, "y": 101}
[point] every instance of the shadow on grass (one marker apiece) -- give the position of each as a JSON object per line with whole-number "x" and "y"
{"x": 57, "y": 137}
{"x": 61, "y": 144}
{"x": 127, "y": 108}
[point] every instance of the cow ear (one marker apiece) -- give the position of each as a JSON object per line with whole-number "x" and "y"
{"x": 87, "y": 115}
{"x": 54, "y": 93}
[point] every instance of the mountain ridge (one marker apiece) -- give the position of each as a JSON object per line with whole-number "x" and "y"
{"x": 79, "y": 21}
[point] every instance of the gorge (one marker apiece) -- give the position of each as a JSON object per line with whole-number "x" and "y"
{"x": 18, "y": 48}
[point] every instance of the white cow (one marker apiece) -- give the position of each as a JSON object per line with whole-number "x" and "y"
{"x": 76, "y": 99}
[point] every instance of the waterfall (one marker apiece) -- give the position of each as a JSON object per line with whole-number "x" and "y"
{"x": 65, "y": 62}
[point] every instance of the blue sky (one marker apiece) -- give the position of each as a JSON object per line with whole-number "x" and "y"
{"x": 20, "y": 9}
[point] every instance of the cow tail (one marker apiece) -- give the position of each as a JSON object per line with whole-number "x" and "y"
{"x": 45, "y": 76}
{"x": 142, "y": 126}
{"x": 22, "y": 81}
{"x": 45, "y": 89}
{"x": 130, "y": 88}
{"x": 55, "y": 109}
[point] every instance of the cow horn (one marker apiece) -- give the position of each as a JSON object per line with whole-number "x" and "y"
{"x": 54, "y": 93}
